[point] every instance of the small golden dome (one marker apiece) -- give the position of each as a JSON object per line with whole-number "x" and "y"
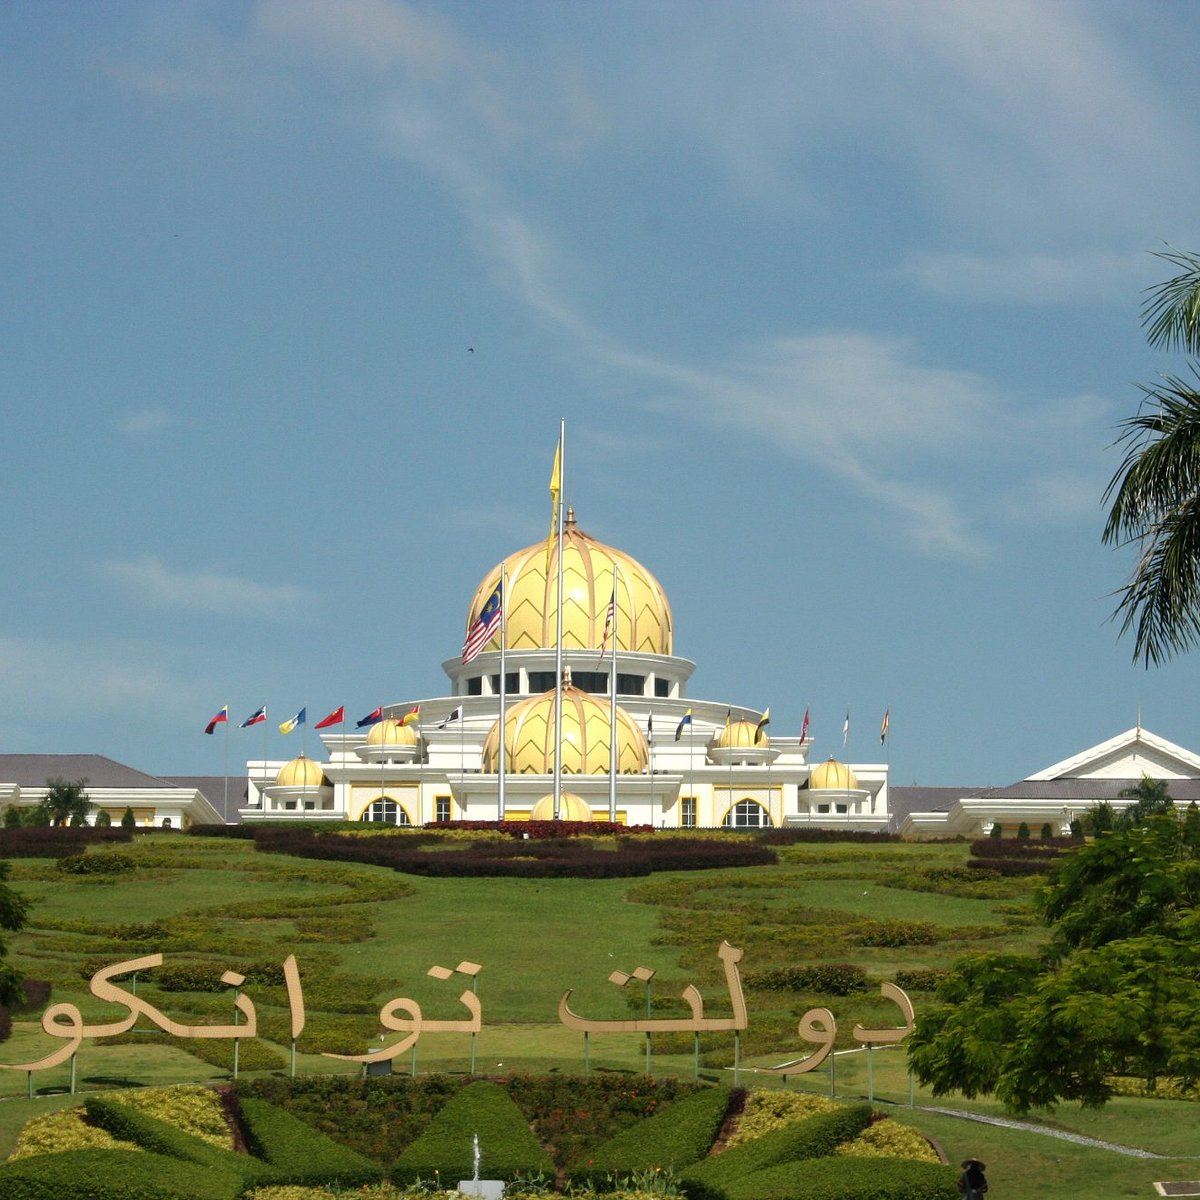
{"x": 740, "y": 733}
{"x": 301, "y": 772}
{"x": 529, "y": 738}
{"x": 390, "y": 732}
{"x": 570, "y": 808}
{"x": 833, "y": 775}
{"x": 643, "y": 620}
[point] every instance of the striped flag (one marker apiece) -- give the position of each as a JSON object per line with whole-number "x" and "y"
{"x": 763, "y": 722}
{"x": 412, "y": 717}
{"x": 804, "y": 726}
{"x": 484, "y": 627}
{"x": 255, "y": 718}
{"x": 685, "y": 721}
{"x": 221, "y": 717}
{"x": 887, "y": 712}
{"x": 372, "y": 718}
{"x": 456, "y": 715}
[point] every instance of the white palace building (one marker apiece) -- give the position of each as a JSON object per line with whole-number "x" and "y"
{"x": 681, "y": 762}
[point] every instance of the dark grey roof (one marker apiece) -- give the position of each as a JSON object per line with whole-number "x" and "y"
{"x": 32, "y": 770}
{"x": 1087, "y": 789}
{"x": 212, "y": 787}
{"x": 905, "y": 800}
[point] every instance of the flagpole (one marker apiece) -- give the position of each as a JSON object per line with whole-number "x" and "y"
{"x": 225, "y": 768}
{"x": 503, "y": 691}
{"x": 612, "y": 722}
{"x": 558, "y": 637}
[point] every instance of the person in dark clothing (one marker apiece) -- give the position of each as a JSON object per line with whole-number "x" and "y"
{"x": 972, "y": 1182}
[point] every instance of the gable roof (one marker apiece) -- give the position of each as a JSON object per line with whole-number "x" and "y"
{"x": 1129, "y": 755}
{"x": 32, "y": 771}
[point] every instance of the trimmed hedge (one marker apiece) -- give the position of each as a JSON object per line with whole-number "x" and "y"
{"x": 96, "y": 864}
{"x": 298, "y": 1153}
{"x": 128, "y": 1125}
{"x": 834, "y": 979}
{"x": 114, "y": 1175}
{"x": 849, "y": 1179}
{"x": 507, "y": 1146}
{"x": 670, "y": 1140}
{"x": 46, "y": 841}
{"x": 714, "y": 1178}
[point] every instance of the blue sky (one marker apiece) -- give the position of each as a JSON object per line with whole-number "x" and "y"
{"x": 840, "y": 302}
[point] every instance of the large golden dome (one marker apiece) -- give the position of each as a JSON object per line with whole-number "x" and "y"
{"x": 834, "y": 776}
{"x": 529, "y": 738}
{"x": 643, "y": 622}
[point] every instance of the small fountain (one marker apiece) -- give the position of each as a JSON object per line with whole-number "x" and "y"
{"x": 486, "y": 1189}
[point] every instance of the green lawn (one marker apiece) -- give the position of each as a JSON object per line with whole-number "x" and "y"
{"x": 374, "y": 934}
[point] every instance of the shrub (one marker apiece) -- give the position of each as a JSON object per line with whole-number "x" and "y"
{"x": 769, "y": 1109}
{"x": 894, "y": 933}
{"x": 1047, "y": 832}
{"x": 103, "y": 820}
{"x": 299, "y": 1154}
{"x": 674, "y": 1138}
{"x": 96, "y": 864}
{"x": 890, "y": 1139}
{"x": 129, "y": 1125}
{"x": 1022, "y": 830}
{"x": 128, "y": 821}
{"x": 714, "y": 1178}
{"x": 834, "y": 979}
{"x": 839, "y": 1178}
{"x": 57, "y": 1132}
{"x": 507, "y": 1144}
{"x": 996, "y": 831}
{"x": 920, "y": 979}
{"x": 119, "y": 1174}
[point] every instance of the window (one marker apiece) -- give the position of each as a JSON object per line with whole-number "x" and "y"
{"x": 687, "y": 812}
{"x": 512, "y": 683}
{"x": 595, "y": 682}
{"x": 386, "y": 811}
{"x": 631, "y": 685}
{"x": 441, "y": 808}
{"x": 822, "y": 808}
{"x": 840, "y": 808}
{"x": 541, "y": 681}
{"x": 746, "y": 814}
{"x": 662, "y": 687}
{"x": 475, "y": 685}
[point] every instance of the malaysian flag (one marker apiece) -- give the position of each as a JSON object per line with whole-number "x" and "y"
{"x": 485, "y": 625}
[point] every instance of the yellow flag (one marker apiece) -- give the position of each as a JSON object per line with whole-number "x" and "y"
{"x": 555, "y": 495}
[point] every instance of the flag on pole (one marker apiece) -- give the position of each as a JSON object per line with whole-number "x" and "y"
{"x": 650, "y": 727}
{"x": 685, "y": 721}
{"x": 763, "y": 722}
{"x": 298, "y": 719}
{"x": 804, "y": 726}
{"x": 485, "y": 625}
{"x": 372, "y": 718}
{"x": 456, "y": 715}
{"x": 887, "y": 712}
{"x": 337, "y": 717}
{"x": 846, "y": 729}
{"x": 412, "y": 717}
{"x": 219, "y": 719}
{"x": 555, "y": 499}
{"x": 609, "y": 619}
{"x": 255, "y": 718}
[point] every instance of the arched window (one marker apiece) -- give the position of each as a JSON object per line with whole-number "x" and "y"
{"x": 387, "y": 811}
{"x": 746, "y": 814}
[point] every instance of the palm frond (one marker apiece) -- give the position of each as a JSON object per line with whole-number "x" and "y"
{"x": 1171, "y": 312}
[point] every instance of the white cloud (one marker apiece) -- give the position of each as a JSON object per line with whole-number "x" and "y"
{"x": 61, "y": 676}
{"x": 153, "y": 582}
{"x": 146, "y": 421}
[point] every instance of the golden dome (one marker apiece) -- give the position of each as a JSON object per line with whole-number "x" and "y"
{"x": 833, "y": 775}
{"x": 570, "y": 808}
{"x": 301, "y": 772}
{"x": 740, "y": 733}
{"x": 529, "y": 737}
{"x": 390, "y": 732}
{"x": 643, "y": 621}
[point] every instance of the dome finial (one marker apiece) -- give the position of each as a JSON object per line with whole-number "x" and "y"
{"x": 567, "y": 677}
{"x": 570, "y": 516}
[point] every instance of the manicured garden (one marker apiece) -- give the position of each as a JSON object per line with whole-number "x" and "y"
{"x": 821, "y": 925}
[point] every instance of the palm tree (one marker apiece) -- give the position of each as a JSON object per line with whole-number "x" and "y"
{"x": 1155, "y": 493}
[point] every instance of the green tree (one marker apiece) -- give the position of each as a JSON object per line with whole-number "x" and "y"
{"x": 66, "y": 801}
{"x": 1155, "y": 492}
{"x": 103, "y": 820}
{"x": 1115, "y": 992}
{"x": 1150, "y": 796}
{"x": 14, "y": 912}
{"x": 128, "y": 821}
